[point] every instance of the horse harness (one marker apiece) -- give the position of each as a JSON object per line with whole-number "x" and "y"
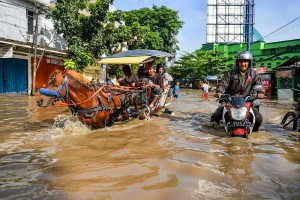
{"x": 88, "y": 112}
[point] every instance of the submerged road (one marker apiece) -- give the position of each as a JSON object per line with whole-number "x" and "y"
{"x": 172, "y": 157}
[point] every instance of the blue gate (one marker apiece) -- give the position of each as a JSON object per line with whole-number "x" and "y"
{"x": 13, "y": 75}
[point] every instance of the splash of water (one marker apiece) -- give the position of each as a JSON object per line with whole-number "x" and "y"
{"x": 66, "y": 126}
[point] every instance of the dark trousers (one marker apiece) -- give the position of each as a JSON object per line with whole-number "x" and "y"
{"x": 217, "y": 117}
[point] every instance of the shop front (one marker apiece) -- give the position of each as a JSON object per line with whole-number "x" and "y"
{"x": 288, "y": 78}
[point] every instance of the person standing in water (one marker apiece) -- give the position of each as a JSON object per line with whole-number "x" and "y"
{"x": 176, "y": 89}
{"x": 205, "y": 89}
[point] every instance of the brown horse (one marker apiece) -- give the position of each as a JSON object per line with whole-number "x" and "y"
{"x": 95, "y": 106}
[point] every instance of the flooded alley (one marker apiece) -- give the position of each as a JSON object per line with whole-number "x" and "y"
{"x": 48, "y": 154}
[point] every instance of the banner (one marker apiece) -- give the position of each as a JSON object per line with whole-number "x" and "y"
{"x": 260, "y": 70}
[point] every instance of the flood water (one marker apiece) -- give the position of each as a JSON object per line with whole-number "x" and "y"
{"x": 172, "y": 157}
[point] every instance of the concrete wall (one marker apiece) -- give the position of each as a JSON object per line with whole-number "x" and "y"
{"x": 14, "y": 24}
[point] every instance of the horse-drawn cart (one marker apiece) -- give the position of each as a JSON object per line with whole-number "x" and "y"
{"x": 142, "y": 57}
{"x": 99, "y": 106}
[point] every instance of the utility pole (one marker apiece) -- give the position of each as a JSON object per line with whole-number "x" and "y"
{"x": 249, "y": 23}
{"x": 35, "y": 37}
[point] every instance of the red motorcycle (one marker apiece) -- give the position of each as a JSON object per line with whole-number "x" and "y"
{"x": 238, "y": 116}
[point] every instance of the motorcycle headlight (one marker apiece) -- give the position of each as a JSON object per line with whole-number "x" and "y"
{"x": 238, "y": 113}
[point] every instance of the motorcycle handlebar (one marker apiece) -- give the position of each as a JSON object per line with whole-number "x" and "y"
{"x": 224, "y": 98}
{"x": 227, "y": 98}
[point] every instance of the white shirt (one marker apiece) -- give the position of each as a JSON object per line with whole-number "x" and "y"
{"x": 205, "y": 88}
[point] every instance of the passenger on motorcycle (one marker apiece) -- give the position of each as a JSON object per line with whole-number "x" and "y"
{"x": 239, "y": 82}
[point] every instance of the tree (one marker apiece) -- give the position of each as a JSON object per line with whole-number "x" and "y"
{"x": 88, "y": 28}
{"x": 200, "y": 64}
{"x": 91, "y": 30}
{"x": 155, "y": 28}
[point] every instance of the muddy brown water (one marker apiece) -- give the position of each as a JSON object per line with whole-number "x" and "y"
{"x": 174, "y": 156}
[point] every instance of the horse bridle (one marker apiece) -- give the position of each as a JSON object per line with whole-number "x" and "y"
{"x": 57, "y": 93}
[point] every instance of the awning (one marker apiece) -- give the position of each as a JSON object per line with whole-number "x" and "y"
{"x": 212, "y": 78}
{"x": 124, "y": 60}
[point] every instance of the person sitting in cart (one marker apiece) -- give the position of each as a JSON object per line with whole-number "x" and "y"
{"x": 130, "y": 79}
{"x": 155, "y": 82}
{"x": 141, "y": 72}
{"x": 166, "y": 78}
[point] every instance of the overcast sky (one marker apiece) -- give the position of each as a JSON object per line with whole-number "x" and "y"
{"x": 269, "y": 16}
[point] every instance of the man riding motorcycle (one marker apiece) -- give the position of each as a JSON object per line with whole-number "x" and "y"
{"x": 239, "y": 82}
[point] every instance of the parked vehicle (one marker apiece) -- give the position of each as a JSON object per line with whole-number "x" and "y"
{"x": 291, "y": 120}
{"x": 142, "y": 97}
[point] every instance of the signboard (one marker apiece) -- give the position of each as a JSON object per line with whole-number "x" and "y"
{"x": 55, "y": 61}
{"x": 267, "y": 86}
{"x": 260, "y": 70}
{"x": 6, "y": 52}
{"x": 266, "y": 82}
{"x": 95, "y": 66}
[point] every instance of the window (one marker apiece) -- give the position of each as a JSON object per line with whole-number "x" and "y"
{"x": 285, "y": 83}
{"x": 290, "y": 50}
{"x": 273, "y": 51}
{"x": 29, "y": 22}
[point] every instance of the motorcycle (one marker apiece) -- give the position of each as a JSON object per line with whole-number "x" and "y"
{"x": 291, "y": 120}
{"x": 238, "y": 116}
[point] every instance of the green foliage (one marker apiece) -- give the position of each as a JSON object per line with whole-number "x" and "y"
{"x": 91, "y": 31}
{"x": 69, "y": 64}
{"x": 81, "y": 58}
{"x": 156, "y": 28}
{"x": 200, "y": 64}
{"x": 86, "y": 27}
{"x": 114, "y": 70}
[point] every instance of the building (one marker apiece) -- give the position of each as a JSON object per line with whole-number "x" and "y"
{"x": 230, "y": 30}
{"x": 230, "y": 21}
{"x": 267, "y": 57}
{"x": 288, "y": 79}
{"x": 24, "y": 26}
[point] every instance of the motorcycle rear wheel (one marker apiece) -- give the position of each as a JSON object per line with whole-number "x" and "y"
{"x": 289, "y": 121}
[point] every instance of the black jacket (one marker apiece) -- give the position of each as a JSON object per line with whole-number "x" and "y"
{"x": 236, "y": 84}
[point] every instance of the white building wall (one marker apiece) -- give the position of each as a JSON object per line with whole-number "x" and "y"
{"x": 14, "y": 24}
{"x": 13, "y": 21}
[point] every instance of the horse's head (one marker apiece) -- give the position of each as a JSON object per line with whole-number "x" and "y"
{"x": 54, "y": 90}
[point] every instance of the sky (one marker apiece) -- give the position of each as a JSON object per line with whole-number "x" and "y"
{"x": 269, "y": 16}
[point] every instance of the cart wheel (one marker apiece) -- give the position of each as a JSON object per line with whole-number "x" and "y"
{"x": 145, "y": 113}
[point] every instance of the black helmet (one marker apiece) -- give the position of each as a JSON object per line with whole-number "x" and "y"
{"x": 244, "y": 55}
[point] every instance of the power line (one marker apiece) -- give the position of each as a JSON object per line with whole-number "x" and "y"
{"x": 287, "y": 29}
{"x": 280, "y": 28}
